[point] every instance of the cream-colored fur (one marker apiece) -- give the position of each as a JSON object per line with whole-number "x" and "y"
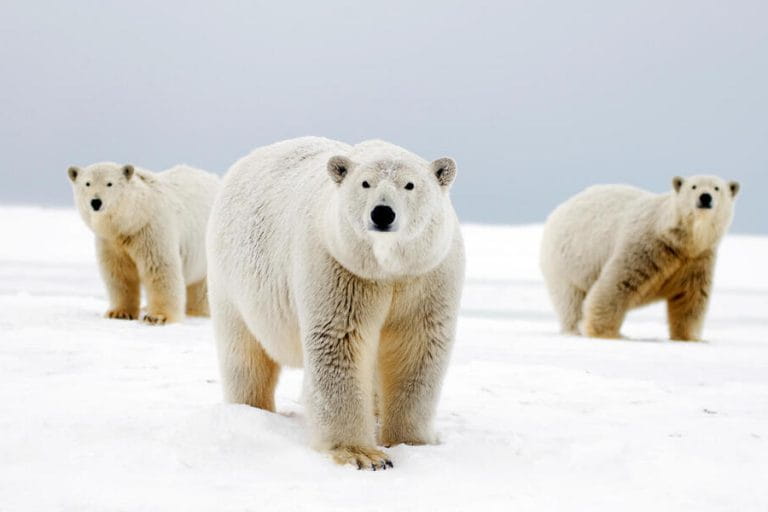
{"x": 150, "y": 231}
{"x": 612, "y": 248}
{"x": 299, "y": 276}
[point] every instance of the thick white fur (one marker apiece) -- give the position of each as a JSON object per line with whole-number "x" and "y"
{"x": 613, "y": 247}
{"x": 297, "y": 277}
{"x": 149, "y": 231}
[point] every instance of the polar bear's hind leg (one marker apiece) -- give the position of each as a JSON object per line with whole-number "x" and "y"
{"x": 249, "y": 375}
{"x": 568, "y": 301}
{"x": 197, "y": 299}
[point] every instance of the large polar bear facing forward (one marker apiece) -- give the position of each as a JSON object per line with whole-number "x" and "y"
{"x": 612, "y": 248}
{"x": 347, "y": 260}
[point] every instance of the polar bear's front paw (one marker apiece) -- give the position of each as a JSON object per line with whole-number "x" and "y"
{"x": 593, "y": 330}
{"x": 155, "y": 318}
{"x": 121, "y": 314}
{"x": 361, "y": 458}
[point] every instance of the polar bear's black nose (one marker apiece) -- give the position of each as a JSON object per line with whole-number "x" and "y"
{"x": 705, "y": 201}
{"x": 96, "y": 204}
{"x": 383, "y": 216}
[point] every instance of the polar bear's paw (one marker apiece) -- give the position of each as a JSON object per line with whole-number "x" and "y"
{"x": 121, "y": 314}
{"x": 592, "y": 329}
{"x": 362, "y": 458}
{"x": 155, "y": 319}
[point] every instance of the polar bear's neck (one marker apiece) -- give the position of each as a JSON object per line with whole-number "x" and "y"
{"x": 388, "y": 254}
{"x": 691, "y": 233}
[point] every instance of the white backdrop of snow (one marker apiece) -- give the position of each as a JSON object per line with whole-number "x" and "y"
{"x": 100, "y": 414}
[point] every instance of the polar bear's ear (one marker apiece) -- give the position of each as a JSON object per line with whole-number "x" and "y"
{"x": 338, "y": 167}
{"x": 128, "y": 171}
{"x": 72, "y": 172}
{"x": 734, "y": 186}
{"x": 677, "y": 183}
{"x": 444, "y": 170}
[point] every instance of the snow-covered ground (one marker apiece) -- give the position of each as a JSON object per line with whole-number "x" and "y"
{"x": 102, "y": 415}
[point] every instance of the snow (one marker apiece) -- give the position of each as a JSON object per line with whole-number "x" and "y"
{"x": 100, "y": 414}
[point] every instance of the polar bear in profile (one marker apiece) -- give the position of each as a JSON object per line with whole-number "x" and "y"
{"x": 612, "y": 248}
{"x": 150, "y": 232}
{"x": 348, "y": 261}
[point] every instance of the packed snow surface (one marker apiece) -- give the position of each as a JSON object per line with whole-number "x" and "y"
{"x": 100, "y": 414}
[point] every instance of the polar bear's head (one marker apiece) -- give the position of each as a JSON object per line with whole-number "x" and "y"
{"x": 706, "y": 203}
{"x": 100, "y": 190}
{"x": 391, "y": 214}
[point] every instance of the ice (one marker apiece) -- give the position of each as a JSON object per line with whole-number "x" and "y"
{"x": 100, "y": 414}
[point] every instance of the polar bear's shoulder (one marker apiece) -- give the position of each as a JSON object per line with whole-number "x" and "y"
{"x": 287, "y": 154}
{"x": 301, "y": 147}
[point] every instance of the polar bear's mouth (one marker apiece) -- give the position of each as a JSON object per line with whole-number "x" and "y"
{"x": 388, "y": 253}
{"x": 377, "y": 229}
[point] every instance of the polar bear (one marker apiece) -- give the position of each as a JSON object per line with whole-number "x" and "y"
{"x": 348, "y": 261}
{"x": 150, "y": 231}
{"x": 612, "y": 248}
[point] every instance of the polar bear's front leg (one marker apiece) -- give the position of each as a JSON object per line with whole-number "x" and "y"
{"x": 627, "y": 280}
{"x": 121, "y": 279}
{"x": 341, "y": 320}
{"x": 413, "y": 355}
{"x": 159, "y": 264}
{"x": 687, "y": 307}
{"x": 412, "y": 363}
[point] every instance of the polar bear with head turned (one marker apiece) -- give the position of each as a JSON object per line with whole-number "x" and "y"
{"x": 348, "y": 261}
{"x": 150, "y": 232}
{"x": 612, "y": 248}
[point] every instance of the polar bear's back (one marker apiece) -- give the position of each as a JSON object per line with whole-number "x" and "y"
{"x": 188, "y": 194}
{"x": 581, "y": 234}
{"x": 274, "y": 184}
{"x": 190, "y": 190}
{"x": 267, "y": 197}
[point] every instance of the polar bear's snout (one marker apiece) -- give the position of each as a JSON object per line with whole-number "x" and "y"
{"x": 705, "y": 201}
{"x": 96, "y": 204}
{"x": 383, "y": 218}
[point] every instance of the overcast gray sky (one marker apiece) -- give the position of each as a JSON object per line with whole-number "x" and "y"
{"x": 535, "y": 100}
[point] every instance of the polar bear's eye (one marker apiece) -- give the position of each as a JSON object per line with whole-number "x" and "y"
{"x": 87, "y": 183}
{"x": 694, "y": 187}
{"x": 409, "y": 186}
{"x": 109, "y": 184}
{"x": 366, "y": 184}
{"x": 717, "y": 189}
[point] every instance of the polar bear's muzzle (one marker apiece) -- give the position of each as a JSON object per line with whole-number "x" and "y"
{"x": 383, "y": 218}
